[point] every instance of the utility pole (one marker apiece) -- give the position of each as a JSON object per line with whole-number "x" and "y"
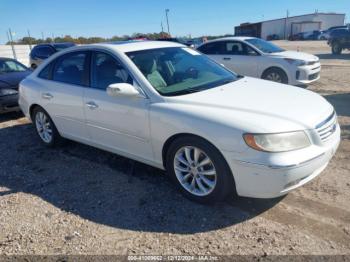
{"x": 167, "y": 19}
{"x": 42, "y": 36}
{"x": 53, "y": 38}
{"x": 11, "y": 41}
{"x": 285, "y": 25}
{"x": 30, "y": 40}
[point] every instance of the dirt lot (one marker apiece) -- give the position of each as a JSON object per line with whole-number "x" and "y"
{"x": 80, "y": 200}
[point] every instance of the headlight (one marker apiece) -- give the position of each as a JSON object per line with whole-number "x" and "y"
{"x": 296, "y": 62}
{"x": 280, "y": 142}
{"x": 7, "y": 92}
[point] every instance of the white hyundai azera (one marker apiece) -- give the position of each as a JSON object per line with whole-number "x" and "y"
{"x": 166, "y": 105}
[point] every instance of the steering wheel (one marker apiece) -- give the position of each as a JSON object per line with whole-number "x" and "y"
{"x": 192, "y": 72}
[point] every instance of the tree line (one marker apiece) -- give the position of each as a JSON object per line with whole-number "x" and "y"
{"x": 86, "y": 40}
{"x": 90, "y": 40}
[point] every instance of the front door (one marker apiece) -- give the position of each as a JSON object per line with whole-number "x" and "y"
{"x": 240, "y": 58}
{"x": 119, "y": 124}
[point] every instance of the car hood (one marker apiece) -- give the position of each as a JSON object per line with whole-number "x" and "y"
{"x": 259, "y": 105}
{"x": 295, "y": 55}
{"x": 12, "y": 79}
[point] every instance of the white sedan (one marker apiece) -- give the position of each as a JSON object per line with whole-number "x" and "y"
{"x": 166, "y": 105}
{"x": 258, "y": 58}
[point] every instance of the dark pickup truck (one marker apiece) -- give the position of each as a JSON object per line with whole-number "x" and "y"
{"x": 339, "y": 39}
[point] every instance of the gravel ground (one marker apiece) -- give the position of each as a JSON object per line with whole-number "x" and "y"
{"x": 80, "y": 200}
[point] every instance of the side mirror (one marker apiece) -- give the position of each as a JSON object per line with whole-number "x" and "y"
{"x": 122, "y": 89}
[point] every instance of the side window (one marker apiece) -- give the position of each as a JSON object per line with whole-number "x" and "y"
{"x": 44, "y": 52}
{"x": 45, "y": 73}
{"x": 234, "y": 48}
{"x": 214, "y": 48}
{"x": 106, "y": 70}
{"x": 250, "y": 51}
{"x": 239, "y": 48}
{"x": 70, "y": 68}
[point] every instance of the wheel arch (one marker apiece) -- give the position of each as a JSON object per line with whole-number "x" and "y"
{"x": 278, "y": 68}
{"x": 31, "y": 110}
{"x": 172, "y": 138}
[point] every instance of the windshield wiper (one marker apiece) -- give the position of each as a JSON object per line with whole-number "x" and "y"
{"x": 185, "y": 91}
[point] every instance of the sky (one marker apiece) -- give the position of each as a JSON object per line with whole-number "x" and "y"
{"x": 107, "y": 18}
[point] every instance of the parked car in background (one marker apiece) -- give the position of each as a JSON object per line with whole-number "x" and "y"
{"x": 11, "y": 73}
{"x": 194, "y": 43}
{"x": 42, "y": 51}
{"x": 296, "y": 37}
{"x": 339, "y": 39}
{"x": 167, "y": 105}
{"x": 272, "y": 37}
{"x": 312, "y": 35}
{"x": 256, "y": 57}
{"x": 326, "y": 33}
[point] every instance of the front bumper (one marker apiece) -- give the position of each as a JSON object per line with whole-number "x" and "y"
{"x": 9, "y": 103}
{"x": 278, "y": 177}
{"x": 307, "y": 74}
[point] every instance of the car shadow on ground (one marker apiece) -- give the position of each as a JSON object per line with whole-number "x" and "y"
{"x": 341, "y": 103}
{"x": 108, "y": 189}
{"x": 345, "y": 56}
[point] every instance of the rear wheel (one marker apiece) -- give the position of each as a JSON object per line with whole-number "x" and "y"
{"x": 336, "y": 49}
{"x": 199, "y": 170}
{"x": 45, "y": 128}
{"x": 276, "y": 75}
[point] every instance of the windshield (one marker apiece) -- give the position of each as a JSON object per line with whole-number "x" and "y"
{"x": 9, "y": 66}
{"x": 264, "y": 46}
{"x": 177, "y": 71}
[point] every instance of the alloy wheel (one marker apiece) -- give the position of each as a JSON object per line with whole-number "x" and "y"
{"x": 273, "y": 76}
{"x": 43, "y": 126}
{"x": 195, "y": 170}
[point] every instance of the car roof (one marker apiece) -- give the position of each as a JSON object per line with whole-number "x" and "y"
{"x": 54, "y": 44}
{"x": 132, "y": 46}
{"x": 239, "y": 38}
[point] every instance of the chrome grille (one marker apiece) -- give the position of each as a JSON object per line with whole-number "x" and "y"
{"x": 326, "y": 128}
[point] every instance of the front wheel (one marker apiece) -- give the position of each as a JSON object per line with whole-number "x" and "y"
{"x": 275, "y": 75}
{"x": 336, "y": 49}
{"x": 199, "y": 170}
{"x": 45, "y": 128}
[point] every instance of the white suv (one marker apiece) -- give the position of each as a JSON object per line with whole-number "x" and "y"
{"x": 255, "y": 57}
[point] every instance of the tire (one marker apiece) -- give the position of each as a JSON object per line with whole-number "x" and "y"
{"x": 336, "y": 48}
{"x": 275, "y": 74}
{"x": 45, "y": 128}
{"x": 208, "y": 187}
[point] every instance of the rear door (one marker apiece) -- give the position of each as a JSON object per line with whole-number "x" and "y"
{"x": 62, "y": 95}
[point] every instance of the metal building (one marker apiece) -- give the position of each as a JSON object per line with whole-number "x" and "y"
{"x": 284, "y": 27}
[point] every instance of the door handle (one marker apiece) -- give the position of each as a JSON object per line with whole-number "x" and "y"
{"x": 227, "y": 58}
{"x": 92, "y": 105}
{"x": 47, "y": 96}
